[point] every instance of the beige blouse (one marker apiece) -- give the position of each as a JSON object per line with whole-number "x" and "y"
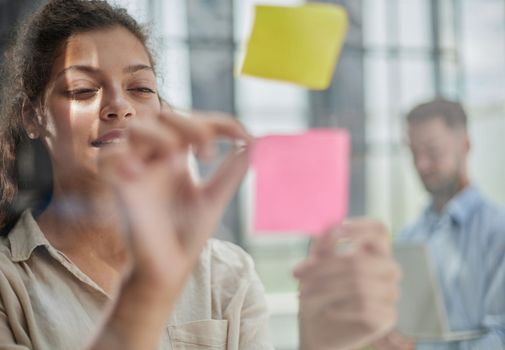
{"x": 46, "y": 302}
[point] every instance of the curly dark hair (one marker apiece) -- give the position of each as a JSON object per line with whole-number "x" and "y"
{"x": 27, "y": 66}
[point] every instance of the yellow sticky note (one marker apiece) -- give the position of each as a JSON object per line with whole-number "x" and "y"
{"x": 298, "y": 44}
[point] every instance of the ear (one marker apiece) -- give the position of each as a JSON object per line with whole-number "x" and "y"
{"x": 30, "y": 120}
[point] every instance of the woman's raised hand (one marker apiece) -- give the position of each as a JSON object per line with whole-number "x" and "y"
{"x": 168, "y": 216}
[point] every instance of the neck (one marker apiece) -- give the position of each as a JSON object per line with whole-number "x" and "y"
{"x": 441, "y": 199}
{"x": 84, "y": 222}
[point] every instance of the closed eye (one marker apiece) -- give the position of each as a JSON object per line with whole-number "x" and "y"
{"x": 81, "y": 94}
{"x": 143, "y": 90}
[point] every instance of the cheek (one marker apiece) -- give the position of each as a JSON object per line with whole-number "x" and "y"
{"x": 455, "y": 156}
{"x": 449, "y": 164}
{"x": 69, "y": 123}
{"x": 149, "y": 109}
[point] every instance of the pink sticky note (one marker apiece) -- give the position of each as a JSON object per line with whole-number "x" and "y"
{"x": 301, "y": 181}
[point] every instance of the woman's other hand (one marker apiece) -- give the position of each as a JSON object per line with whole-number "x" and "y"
{"x": 394, "y": 341}
{"x": 349, "y": 286}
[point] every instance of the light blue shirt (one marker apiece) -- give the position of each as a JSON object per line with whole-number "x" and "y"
{"x": 467, "y": 244}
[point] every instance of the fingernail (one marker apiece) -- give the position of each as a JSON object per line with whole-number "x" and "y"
{"x": 298, "y": 271}
{"x": 344, "y": 246}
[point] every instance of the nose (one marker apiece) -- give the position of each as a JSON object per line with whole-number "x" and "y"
{"x": 116, "y": 106}
{"x": 422, "y": 163}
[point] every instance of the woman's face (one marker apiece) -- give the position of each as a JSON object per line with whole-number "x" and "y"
{"x": 100, "y": 82}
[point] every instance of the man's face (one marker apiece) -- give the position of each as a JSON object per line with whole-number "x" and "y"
{"x": 439, "y": 154}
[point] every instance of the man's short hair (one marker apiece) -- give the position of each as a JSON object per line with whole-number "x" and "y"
{"x": 451, "y": 112}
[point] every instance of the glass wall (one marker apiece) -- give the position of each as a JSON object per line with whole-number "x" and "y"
{"x": 412, "y": 50}
{"x": 398, "y": 53}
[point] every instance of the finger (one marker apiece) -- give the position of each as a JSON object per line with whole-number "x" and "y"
{"x": 356, "y": 267}
{"x": 326, "y": 243}
{"x": 362, "y": 233}
{"x": 201, "y": 130}
{"x": 192, "y": 132}
{"x": 116, "y": 165}
{"x": 321, "y": 247}
{"x": 224, "y": 182}
{"x": 315, "y": 267}
{"x": 303, "y": 266}
{"x": 385, "y": 292}
{"x": 357, "y": 262}
{"x": 319, "y": 254}
{"x": 225, "y": 125}
{"x": 348, "y": 290}
{"x": 369, "y": 234}
{"x": 149, "y": 142}
{"x": 381, "y": 317}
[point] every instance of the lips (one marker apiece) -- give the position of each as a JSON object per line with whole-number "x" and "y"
{"x": 111, "y": 137}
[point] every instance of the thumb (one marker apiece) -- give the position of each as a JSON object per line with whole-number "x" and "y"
{"x": 326, "y": 244}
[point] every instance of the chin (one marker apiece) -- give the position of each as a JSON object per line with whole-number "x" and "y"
{"x": 435, "y": 190}
{"x": 431, "y": 187}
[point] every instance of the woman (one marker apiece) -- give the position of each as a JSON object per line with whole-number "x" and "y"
{"x": 119, "y": 258}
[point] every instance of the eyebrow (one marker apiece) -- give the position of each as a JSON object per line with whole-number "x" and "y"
{"x": 137, "y": 67}
{"x": 92, "y": 70}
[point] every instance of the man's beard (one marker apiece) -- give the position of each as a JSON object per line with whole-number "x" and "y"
{"x": 445, "y": 188}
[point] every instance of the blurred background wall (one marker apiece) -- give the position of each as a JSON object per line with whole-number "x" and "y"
{"x": 398, "y": 53}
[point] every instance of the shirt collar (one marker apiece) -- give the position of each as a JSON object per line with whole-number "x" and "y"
{"x": 25, "y": 237}
{"x": 461, "y": 206}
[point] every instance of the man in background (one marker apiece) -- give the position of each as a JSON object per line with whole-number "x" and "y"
{"x": 464, "y": 231}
